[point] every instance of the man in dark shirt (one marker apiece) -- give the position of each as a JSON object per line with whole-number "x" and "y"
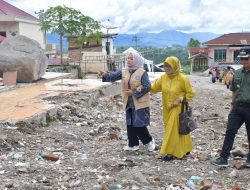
{"x": 240, "y": 112}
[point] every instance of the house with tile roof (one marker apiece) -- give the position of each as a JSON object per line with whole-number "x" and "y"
{"x": 15, "y": 21}
{"x": 199, "y": 58}
{"x": 225, "y": 48}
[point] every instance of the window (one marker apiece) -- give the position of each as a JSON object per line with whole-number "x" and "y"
{"x": 2, "y": 33}
{"x": 200, "y": 64}
{"x": 220, "y": 55}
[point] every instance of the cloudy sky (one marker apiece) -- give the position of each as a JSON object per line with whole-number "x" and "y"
{"x": 133, "y": 16}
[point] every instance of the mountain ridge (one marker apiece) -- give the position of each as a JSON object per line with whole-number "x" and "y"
{"x": 161, "y": 39}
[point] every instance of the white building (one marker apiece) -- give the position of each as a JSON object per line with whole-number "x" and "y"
{"x": 14, "y": 21}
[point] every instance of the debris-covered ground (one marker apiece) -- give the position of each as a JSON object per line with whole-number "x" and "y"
{"x": 82, "y": 148}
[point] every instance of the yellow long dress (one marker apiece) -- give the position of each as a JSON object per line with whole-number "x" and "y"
{"x": 173, "y": 87}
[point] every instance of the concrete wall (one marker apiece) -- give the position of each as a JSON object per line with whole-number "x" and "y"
{"x": 229, "y": 57}
{"x": 93, "y": 64}
{"x": 75, "y": 54}
{"x": 9, "y": 28}
{"x": 32, "y": 31}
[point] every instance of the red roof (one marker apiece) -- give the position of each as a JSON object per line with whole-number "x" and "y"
{"x": 231, "y": 39}
{"x": 1, "y": 38}
{"x": 196, "y": 50}
{"x": 8, "y": 9}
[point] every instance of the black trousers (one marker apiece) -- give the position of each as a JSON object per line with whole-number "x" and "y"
{"x": 239, "y": 114}
{"x": 138, "y": 133}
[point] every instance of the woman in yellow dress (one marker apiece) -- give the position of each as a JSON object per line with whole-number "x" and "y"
{"x": 174, "y": 85}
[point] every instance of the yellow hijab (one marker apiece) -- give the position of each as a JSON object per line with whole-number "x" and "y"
{"x": 175, "y": 64}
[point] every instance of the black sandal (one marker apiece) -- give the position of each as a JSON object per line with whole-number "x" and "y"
{"x": 167, "y": 158}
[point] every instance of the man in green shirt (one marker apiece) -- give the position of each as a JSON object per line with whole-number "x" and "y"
{"x": 240, "y": 112}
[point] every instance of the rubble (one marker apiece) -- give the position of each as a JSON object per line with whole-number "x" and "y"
{"x": 85, "y": 141}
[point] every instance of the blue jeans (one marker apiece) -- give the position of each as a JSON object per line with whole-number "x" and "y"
{"x": 239, "y": 114}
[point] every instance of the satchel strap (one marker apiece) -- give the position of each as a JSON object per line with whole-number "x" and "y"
{"x": 184, "y": 103}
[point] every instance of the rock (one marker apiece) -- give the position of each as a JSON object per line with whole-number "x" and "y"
{"x": 92, "y": 132}
{"x": 75, "y": 119}
{"x": 18, "y": 155}
{"x": 66, "y": 178}
{"x": 237, "y": 166}
{"x": 23, "y": 55}
{"x": 75, "y": 183}
{"x": 196, "y": 113}
{"x": 63, "y": 113}
{"x": 104, "y": 187}
{"x": 156, "y": 178}
{"x": 138, "y": 176}
{"x": 83, "y": 157}
{"x": 203, "y": 157}
{"x": 69, "y": 146}
{"x": 78, "y": 124}
{"x": 238, "y": 151}
{"x": 206, "y": 184}
{"x": 187, "y": 170}
{"x": 113, "y": 136}
{"x": 97, "y": 187}
{"x": 84, "y": 123}
{"x": 233, "y": 174}
{"x": 123, "y": 135}
{"x": 9, "y": 184}
{"x": 235, "y": 187}
{"x": 50, "y": 156}
{"x": 129, "y": 163}
{"x": 51, "y": 114}
{"x": 134, "y": 187}
{"x": 180, "y": 181}
{"x": 67, "y": 105}
{"x": 23, "y": 167}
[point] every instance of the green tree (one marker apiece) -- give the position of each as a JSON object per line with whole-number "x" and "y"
{"x": 65, "y": 20}
{"x": 86, "y": 30}
{"x": 193, "y": 43}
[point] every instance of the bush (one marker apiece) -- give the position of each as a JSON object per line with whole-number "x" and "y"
{"x": 81, "y": 75}
{"x": 186, "y": 69}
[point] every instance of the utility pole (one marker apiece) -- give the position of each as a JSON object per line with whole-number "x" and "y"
{"x": 135, "y": 39}
{"x": 108, "y": 27}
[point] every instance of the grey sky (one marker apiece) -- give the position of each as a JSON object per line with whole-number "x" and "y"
{"x": 132, "y": 16}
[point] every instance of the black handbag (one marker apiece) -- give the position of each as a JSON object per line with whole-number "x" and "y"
{"x": 186, "y": 121}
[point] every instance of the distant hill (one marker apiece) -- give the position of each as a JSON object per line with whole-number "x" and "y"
{"x": 162, "y": 39}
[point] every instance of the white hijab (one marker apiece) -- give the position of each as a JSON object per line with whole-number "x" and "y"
{"x": 138, "y": 61}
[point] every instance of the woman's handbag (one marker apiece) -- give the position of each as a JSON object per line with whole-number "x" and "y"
{"x": 186, "y": 120}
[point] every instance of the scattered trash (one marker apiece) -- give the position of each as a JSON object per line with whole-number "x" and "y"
{"x": 39, "y": 158}
{"x": 195, "y": 178}
{"x": 191, "y": 184}
{"x": 50, "y": 156}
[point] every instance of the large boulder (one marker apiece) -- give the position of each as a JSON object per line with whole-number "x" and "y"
{"x": 23, "y": 55}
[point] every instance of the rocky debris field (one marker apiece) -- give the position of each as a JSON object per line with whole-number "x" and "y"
{"x": 82, "y": 148}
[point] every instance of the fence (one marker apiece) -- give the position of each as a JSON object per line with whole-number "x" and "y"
{"x": 93, "y": 64}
